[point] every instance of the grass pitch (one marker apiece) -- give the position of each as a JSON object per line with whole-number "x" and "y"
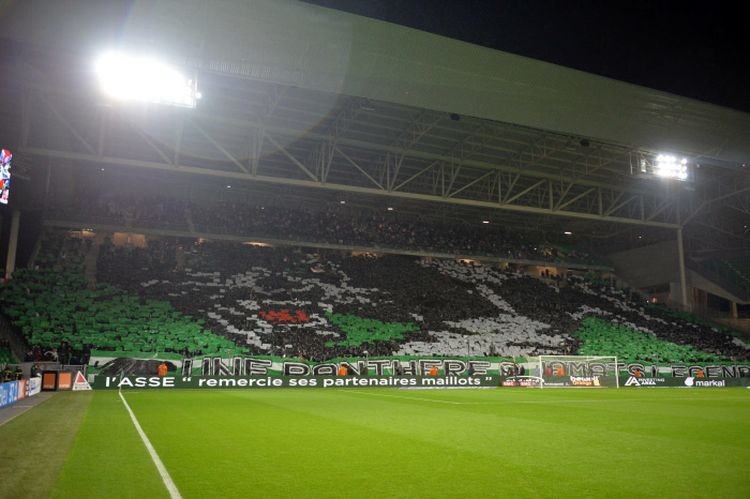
{"x": 404, "y": 443}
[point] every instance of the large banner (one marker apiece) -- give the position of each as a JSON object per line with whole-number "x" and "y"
{"x": 248, "y": 372}
{"x": 253, "y": 382}
{"x": 34, "y": 385}
{"x": 8, "y": 393}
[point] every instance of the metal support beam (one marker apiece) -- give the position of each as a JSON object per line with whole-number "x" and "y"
{"x": 528, "y": 189}
{"x": 739, "y": 203}
{"x": 466, "y": 186}
{"x": 178, "y": 140}
{"x": 246, "y": 125}
{"x": 146, "y": 139}
{"x": 10, "y": 260}
{"x": 617, "y": 206}
{"x": 338, "y": 161}
{"x": 25, "y": 117}
{"x": 423, "y": 123}
{"x": 419, "y": 173}
{"x": 709, "y": 202}
{"x": 97, "y": 160}
{"x": 291, "y": 158}
{"x": 359, "y": 168}
{"x": 221, "y": 148}
{"x": 683, "y": 279}
{"x": 575, "y": 198}
{"x": 66, "y": 123}
{"x": 256, "y": 149}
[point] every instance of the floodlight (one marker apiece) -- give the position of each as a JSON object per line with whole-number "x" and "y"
{"x": 568, "y": 233}
{"x": 485, "y": 221}
{"x": 661, "y": 165}
{"x": 669, "y": 166}
{"x": 144, "y": 79}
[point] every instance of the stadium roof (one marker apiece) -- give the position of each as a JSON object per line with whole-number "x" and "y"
{"x": 298, "y": 95}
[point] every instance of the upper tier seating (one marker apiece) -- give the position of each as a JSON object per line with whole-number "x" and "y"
{"x": 338, "y": 224}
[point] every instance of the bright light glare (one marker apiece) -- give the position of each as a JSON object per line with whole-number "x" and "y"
{"x": 568, "y": 233}
{"x": 137, "y": 78}
{"x": 670, "y": 167}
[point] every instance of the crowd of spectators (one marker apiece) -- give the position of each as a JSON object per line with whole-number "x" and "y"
{"x": 631, "y": 309}
{"x": 5, "y": 351}
{"x": 412, "y": 306}
{"x": 123, "y": 209}
{"x": 337, "y": 224}
{"x": 9, "y": 373}
{"x": 65, "y": 354}
{"x": 232, "y": 286}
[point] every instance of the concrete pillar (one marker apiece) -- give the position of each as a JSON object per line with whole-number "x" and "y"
{"x": 735, "y": 314}
{"x": 10, "y": 262}
{"x": 681, "y": 263}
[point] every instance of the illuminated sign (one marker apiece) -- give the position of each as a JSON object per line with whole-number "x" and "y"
{"x": 5, "y": 157}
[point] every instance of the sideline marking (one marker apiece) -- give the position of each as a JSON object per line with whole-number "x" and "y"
{"x": 171, "y": 487}
{"x": 408, "y": 398}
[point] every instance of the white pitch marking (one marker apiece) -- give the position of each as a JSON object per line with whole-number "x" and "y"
{"x": 408, "y": 398}
{"x": 171, "y": 487}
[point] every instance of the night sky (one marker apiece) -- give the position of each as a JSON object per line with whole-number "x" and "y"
{"x": 696, "y": 49}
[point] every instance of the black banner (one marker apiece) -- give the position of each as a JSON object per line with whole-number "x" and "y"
{"x": 253, "y": 382}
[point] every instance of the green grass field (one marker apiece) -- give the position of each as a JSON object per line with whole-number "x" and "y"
{"x": 384, "y": 443}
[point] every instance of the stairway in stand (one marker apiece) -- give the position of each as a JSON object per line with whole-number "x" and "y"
{"x": 90, "y": 260}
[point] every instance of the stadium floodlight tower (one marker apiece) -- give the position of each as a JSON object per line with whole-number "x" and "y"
{"x": 662, "y": 165}
{"x": 137, "y": 78}
{"x": 578, "y": 371}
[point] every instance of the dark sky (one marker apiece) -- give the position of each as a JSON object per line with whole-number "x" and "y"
{"x": 696, "y": 49}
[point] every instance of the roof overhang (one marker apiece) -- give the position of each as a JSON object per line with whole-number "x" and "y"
{"x": 305, "y": 46}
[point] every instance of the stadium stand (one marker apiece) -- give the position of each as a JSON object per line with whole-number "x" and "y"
{"x": 6, "y": 356}
{"x": 333, "y": 224}
{"x": 597, "y": 336}
{"x": 288, "y": 302}
{"x": 51, "y": 304}
{"x": 741, "y": 266}
{"x": 733, "y": 274}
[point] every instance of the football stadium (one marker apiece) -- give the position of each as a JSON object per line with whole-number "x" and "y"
{"x": 262, "y": 248}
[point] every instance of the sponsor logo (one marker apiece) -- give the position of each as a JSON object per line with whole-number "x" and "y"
{"x": 708, "y": 383}
{"x": 80, "y": 383}
{"x": 633, "y": 381}
{"x": 585, "y": 381}
{"x": 8, "y": 393}
{"x": 523, "y": 381}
